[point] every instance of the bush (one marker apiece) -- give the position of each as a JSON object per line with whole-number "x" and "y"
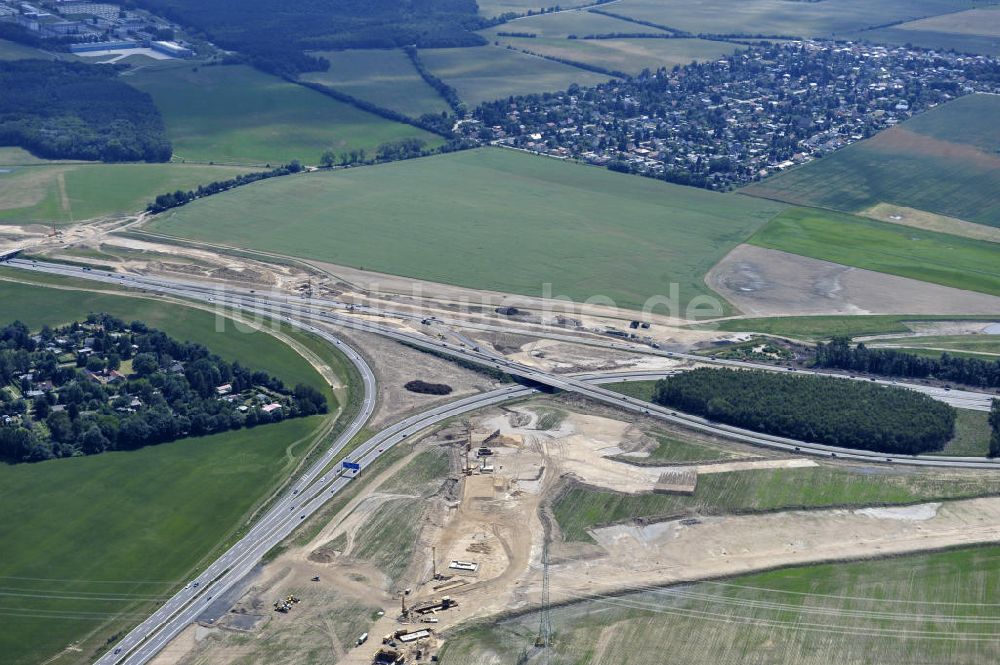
{"x": 425, "y": 388}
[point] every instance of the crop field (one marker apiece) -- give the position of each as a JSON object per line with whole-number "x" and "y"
{"x": 580, "y": 508}
{"x": 825, "y": 327}
{"x": 238, "y": 115}
{"x": 91, "y": 541}
{"x": 940, "y": 607}
{"x": 485, "y": 73}
{"x": 111, "y": 533}
{"x": 944, "y": 161}
{"x": 987, "y": 345}
{"x": 511, "y": 222}
{"x": 627, "y": 55}
{"x": 63, "y": 193}
{"x": 780, "y": 17}
{"x": 564, "y": 24}
{"x": 383, "y": 77}
{"x": 971, "y": 31}
{"x": 927, "y": 256}
{"x": 491, "y": 8}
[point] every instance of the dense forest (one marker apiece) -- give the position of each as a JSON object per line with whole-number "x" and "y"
{"x": 103, "y": 385}
{"x": 889, "y": 362}
{"x": 274, "y": 34}
{"x": 817, "y": 409}
{"x": 68, "y": 110}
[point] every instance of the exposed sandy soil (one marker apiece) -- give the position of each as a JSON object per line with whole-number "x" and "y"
{"x": 494, "y": 520}
{"x": 583, "y": 446}
{"x": 920, "y": 219}
{"x": 395, "y": 365}
{"x": 768, "y": 282}
{"x": 672, "y": 551}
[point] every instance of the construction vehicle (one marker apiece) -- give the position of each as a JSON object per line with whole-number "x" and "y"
{"x": 433, "y": 606}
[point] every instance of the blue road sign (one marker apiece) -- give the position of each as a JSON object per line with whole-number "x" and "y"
{"x": 352, "y": 465}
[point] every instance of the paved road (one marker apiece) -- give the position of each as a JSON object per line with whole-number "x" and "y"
{"x": 965, "y": 399}
{"x": 311, "y": 490}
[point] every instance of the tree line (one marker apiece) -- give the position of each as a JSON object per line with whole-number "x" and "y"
{"x": 432, "y": 122}
{"x": 839, "y": 354}
{"x": 180, "y": 197}
{"x": 818, "y": 409}
{"x": 448, "y": 93}
{"x": 70, "y": 110}
{"x": 86, "y": 407}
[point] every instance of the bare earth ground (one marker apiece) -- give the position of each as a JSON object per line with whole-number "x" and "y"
{"x": 561, "y": 357}
{"x": 395, "y": 365}
{"x": 768, "y": 282}
{"x": 921, "y": 219}
{"x": 494, "y": 520}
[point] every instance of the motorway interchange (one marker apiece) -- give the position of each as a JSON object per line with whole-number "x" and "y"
{"x": 322, "y": 480}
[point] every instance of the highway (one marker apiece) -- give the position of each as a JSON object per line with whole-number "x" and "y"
{"x": 965, "y": 399}
{"x": 313, "y": 488}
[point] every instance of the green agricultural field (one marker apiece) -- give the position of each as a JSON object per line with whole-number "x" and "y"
{"x": 489, "y": 219}
{"x": 63, "y": 193}
{"x": 927, "y": 256}
{"x": 940, "y": 607}
{"x": 627, "y": 55}
{"x": 564, "y": 24}
{"x": 239, "y": 115}
{"x": 491, "y": 8}
{"x": 383, "y": 77}
{"x": 825, "y": 327}
{"x": 932, "y": 39}
{"x": 944, "y": 161}
{"x": 484, "y": 73}
{"x": 985, "y": 345}
{"x": 780, "y": 17}
{"x": 970, "y": 31}
{"x": 112, "y": 533}
{"x": 580, "y": 508}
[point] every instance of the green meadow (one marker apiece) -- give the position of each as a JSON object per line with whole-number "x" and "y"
{"x": 91, "y": 544}
{"x": 238, "y": 115}
{"x": 927, "y": 256}
{"x": 489, "y": 219}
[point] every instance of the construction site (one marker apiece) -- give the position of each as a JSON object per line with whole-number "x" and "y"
{"x": 492, "y": 516}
